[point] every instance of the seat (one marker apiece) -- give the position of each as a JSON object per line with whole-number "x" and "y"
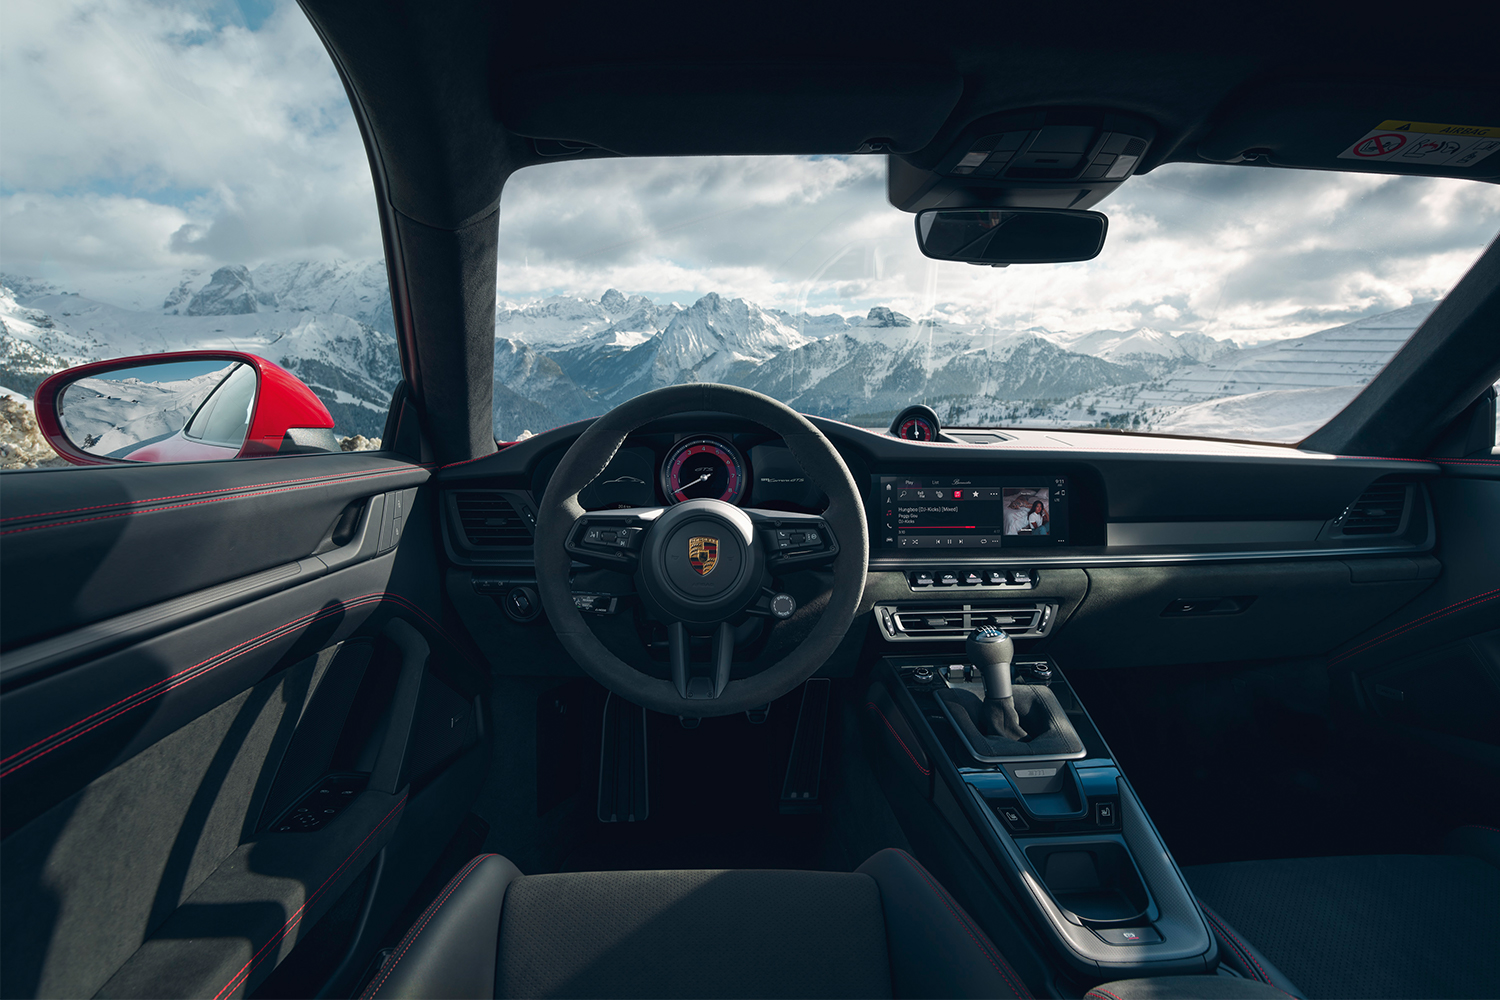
{"x": 887, "y": 929}
{"x": 1380, "y": 926}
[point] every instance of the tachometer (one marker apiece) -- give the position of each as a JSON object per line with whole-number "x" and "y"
{"x": 703, "y": 469}
{"x": 916, "y": 423}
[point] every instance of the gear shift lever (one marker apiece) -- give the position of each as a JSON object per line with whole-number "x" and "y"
{"x": 991, "y": 651}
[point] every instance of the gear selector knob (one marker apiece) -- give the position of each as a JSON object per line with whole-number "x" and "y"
{"x": 991, "y": 651}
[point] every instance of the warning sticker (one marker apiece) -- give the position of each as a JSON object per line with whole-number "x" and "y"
{"x": 1425, "y": 143}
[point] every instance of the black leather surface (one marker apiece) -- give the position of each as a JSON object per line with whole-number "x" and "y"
{"x": 937, "y": 950}
{"x": 450, "y": 950}
{"x": 1184, "y": 988}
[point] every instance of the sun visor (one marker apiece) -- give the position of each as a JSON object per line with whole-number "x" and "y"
{"x": 1362, "y": 127}
{"x": 732, "y": 109}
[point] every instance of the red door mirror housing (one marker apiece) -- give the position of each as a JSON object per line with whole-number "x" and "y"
{"x": 180, "y": 406}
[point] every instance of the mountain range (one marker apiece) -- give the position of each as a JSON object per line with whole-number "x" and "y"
{"x": 569, "y": 357}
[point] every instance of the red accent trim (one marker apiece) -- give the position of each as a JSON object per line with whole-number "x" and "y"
{"x": 1415, "y": 623}
{"x": 246, "y": 492}
{"x": 980, "y": 939}
{"x": 296, "y": 916}
{"x": 339, "y": 477}
{"x": 1479, "y": 826}
{"x": 872, "y": 705}
{"x": 1234, "y": 942}
{"x": 421, "y": 924}
{"x": 1099, "y": 991}
{"x": 153, "y": 691}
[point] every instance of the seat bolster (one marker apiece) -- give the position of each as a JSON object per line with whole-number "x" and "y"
{"x": 936, "y": 949}
{"x": 1242, "y": 956}
{"x": 1185, "y": 988}
{"x": 1482, "y": 842}
{"x": 451, "y": 949}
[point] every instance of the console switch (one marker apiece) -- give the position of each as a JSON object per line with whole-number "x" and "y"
{"x": 1012, "y": 818}
{"x": 1104, "y": 813}
{"x": 1129, "y": 935}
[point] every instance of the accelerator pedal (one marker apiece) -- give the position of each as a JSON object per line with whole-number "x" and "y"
{"x": 623, "y": 794}
{"x": 799, "y": 793}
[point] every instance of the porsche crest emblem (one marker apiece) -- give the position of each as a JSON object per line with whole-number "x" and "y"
{"x": 703, "y": 554}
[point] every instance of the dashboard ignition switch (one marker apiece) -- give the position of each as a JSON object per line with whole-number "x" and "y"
{"x": 782, "y": 606}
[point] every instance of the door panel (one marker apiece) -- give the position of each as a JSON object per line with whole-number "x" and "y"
{"x": 90, "y": 543}
{"x": 179, "y": 702}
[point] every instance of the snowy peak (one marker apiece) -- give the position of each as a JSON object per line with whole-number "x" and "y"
{"x": 230, "y": 292}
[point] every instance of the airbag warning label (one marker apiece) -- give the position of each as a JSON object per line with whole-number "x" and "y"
{"x": 1425, "y": 144}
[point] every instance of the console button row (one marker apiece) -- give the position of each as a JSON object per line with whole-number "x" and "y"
{"x": 972, "y": 578}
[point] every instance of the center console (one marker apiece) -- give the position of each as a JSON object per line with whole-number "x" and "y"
{"x": 1006, "y": 741}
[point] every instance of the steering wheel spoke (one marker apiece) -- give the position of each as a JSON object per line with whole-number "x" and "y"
{"x": 794, "y": 541}
{"x": 611, "y": 539}
{"x": 700, "y": 682}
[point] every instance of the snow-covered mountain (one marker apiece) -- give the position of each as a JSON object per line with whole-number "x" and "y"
{"x": 568, "y": 357}
{"x": 329, "y": 323}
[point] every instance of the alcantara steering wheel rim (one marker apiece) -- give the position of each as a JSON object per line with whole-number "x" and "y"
{"x": 559, "y": 511}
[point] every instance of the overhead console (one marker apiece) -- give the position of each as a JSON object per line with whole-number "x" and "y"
{"x": 1043, "y": 159}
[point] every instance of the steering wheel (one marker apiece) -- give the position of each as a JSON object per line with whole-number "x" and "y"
{"x": 701, "y": 564}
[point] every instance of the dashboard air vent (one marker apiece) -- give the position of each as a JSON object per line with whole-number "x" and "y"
{"x": 916, "y": 622}
{"x": 1378, "y": 511}
{"x": 488, "y": 519}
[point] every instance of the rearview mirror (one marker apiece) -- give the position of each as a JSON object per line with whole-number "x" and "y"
{"x": 1002, "y": 236}
{"x": 186, "y": 406}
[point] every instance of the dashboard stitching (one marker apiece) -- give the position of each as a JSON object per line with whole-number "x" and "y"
{"x": 1427, "y": 619}
{"x": 909, "y": 754}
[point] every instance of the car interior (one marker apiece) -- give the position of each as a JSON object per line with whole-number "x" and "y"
{"x": 552, "y": 717}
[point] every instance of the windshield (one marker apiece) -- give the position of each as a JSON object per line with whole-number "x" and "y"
{"x": 1233, "y": 302}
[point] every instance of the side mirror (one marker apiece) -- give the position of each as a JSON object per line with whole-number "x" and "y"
{"x": 1003, "y": 236}
{"x": 184, "y": 406}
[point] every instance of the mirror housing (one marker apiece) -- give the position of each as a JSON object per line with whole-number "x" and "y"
{"x": 1003, "y": 236}
{"x": 246, "y": 407}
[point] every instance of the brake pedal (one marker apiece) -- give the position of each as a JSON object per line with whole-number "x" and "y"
{"x": 623, "y": 793}
{"x": 799, "y": 793}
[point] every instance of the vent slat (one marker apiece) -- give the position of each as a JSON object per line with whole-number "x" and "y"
{"x": 1378, "y": 511}
{"x": 490, "y": 520}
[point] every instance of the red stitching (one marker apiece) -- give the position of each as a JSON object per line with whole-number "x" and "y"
{"x": 1427, "y": 619}
{"x": 1479, "y": 826}
{"x": 201, "y": 493}
{"x": 1239, "y": 946}
{"x": 871, "y": 704}
{"x": 421, "y": 925}
{"x": 981, "y": 941}
{"x": 253, "y": 492}
{"x": 296, "y": 916}
{"x": 1101, "y": 991}
{"x": 172, "y": 682}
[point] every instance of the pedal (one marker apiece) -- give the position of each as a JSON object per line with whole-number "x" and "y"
{"x": 804, "y": 771}
{"x": 757, "y": 715}
{"x": 623, "y": 793}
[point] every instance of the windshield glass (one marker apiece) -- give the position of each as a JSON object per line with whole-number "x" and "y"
{"x": 1234, "y": 302}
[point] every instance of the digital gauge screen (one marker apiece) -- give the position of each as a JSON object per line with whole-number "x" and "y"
{"x": 976, "y": 513}
{"x": 703, "y": 469}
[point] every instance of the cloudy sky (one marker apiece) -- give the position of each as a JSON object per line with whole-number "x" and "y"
{"x": 142, "y": 139}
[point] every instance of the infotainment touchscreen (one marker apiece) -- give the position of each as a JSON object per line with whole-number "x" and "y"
{"x": 972, "y": 512}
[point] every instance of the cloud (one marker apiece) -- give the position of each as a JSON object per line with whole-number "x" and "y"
{"x": 123, "y": 115}
{"x": 143, "y": 138}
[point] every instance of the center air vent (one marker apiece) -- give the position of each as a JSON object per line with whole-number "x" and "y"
{"x": 918, "y": 622}
{"x": 1379, "y": 510}
{"x": 489, "y": 519}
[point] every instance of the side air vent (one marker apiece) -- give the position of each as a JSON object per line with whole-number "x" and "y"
{"x": 1379, "y": 510}
{"x": 918, "y": 622}
{"x": 488, "y": 519}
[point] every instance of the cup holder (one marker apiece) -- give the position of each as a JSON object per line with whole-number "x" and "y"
{"x": 1095, "y": 880}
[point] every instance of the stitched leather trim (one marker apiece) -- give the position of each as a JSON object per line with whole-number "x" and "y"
{"x": 911, "y": 756}
{"x": 980, "y": 939}
{"x": 28, "y": 755}
{"x": 1248, "y": 960}
{"x": 238, "y": 493}
{"x": 421, "y": 924}
{"x": 1099, "y": 992}
{"x": 1416, "y": 623}
{"x": 296, "y": 917}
